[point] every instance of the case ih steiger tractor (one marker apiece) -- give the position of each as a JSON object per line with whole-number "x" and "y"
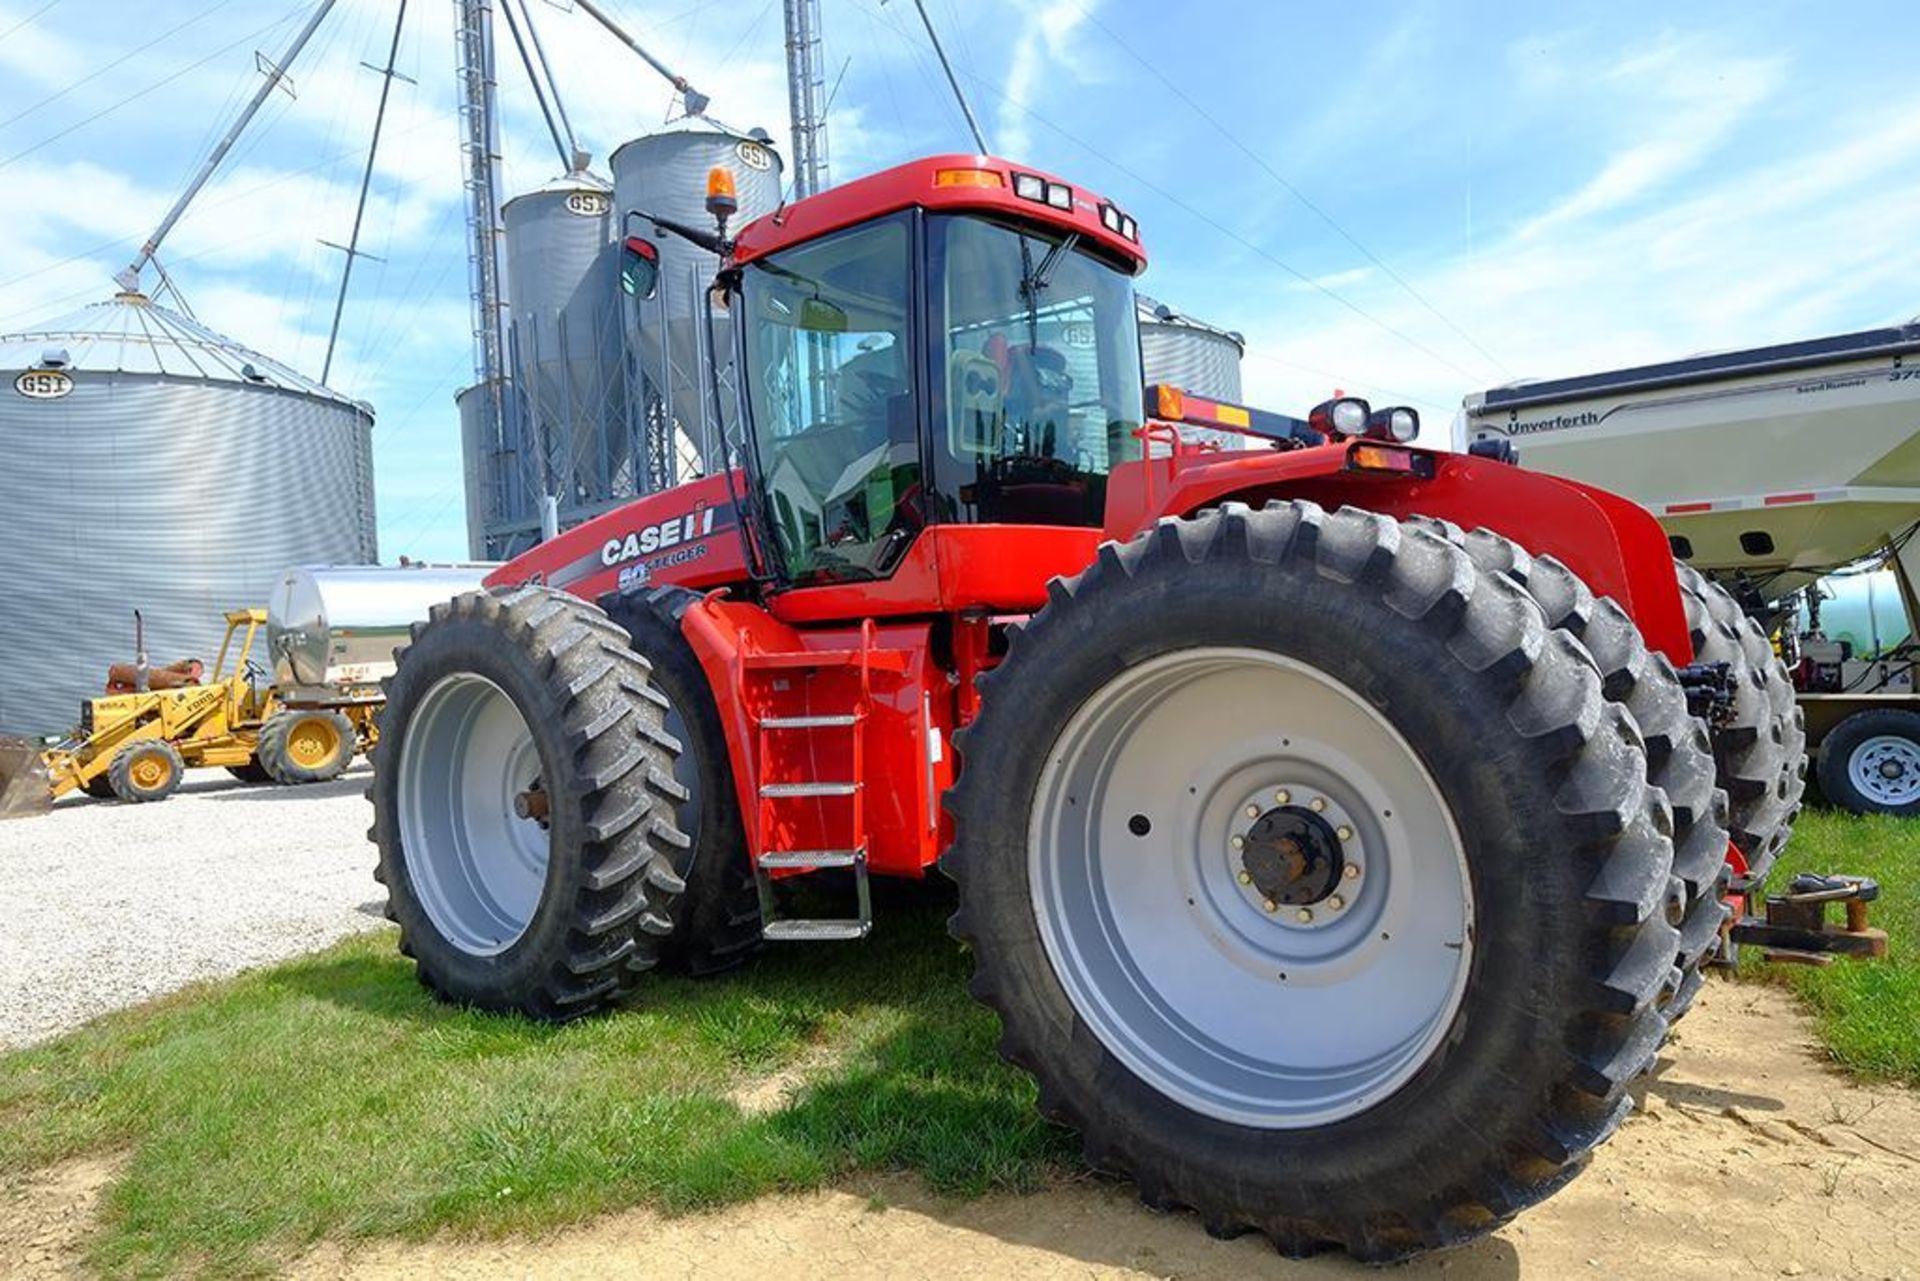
{"x": 1333, "y": 870}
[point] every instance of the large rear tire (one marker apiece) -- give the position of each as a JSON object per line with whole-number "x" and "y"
{"x": 305, "y": 745}
{"x": 1680, "y": 760}
{"x": 523, "y": 798}
{"x": 1761, "y": 751}
{"x": 1401, "y": 1070}
{"x": 717, "y": 921}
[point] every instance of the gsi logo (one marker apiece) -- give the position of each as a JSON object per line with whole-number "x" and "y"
{"x": 43, "y": 384}
{"x": 588, "y": 204}
{"x": 754, "y": 156}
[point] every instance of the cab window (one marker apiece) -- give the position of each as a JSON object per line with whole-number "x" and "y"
{"x": 830, "y": 375}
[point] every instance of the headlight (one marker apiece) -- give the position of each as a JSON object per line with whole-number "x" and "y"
{"x": 1398, "y": 424}
{"x": 1343, "y": 416}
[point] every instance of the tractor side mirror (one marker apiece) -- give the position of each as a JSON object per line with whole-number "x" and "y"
{"x": 639, "y": 267}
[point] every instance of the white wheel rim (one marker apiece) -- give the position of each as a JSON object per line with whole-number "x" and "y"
{"x": 477, "y": 868}
{"x": 1281, "y": 1019}
{"x": 1886, "y": 770}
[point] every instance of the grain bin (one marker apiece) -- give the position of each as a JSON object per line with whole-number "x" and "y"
{"x": 154, "y": 464}
{"x": 1188, "y": 353}
{"x": 568, "y": 433}
{"x": 665, "y": 174}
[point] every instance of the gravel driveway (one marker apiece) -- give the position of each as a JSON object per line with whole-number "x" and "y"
{"x": 104, "y": 904}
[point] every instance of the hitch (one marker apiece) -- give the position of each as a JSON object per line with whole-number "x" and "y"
{"x": 1795, "y": 928}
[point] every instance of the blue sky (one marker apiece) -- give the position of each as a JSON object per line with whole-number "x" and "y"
{"x": 1407, "y": 201}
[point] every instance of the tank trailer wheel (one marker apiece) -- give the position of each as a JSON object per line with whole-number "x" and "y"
{"x": 1315, "y": 880}
{"x": 717, "y": 921}
{"x": 1761, "y": 753}
{"x": 306, "y": 746}
{"x": 1680, "y": 758}
{"x": 146, "y": 771}
{"x": 1870, "y": 763}
{"x": 524, "y": 799}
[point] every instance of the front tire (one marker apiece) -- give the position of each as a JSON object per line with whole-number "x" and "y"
{"x": 523, "y": 800}
{"x": 1246, "y": 1062}
{"x": 147, "y": 771}
{"x": 717, "y": 921}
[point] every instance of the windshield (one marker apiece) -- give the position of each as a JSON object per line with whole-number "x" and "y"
{"x": 1040, "y": 382}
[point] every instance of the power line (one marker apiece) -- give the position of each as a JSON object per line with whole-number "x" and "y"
{"x": 1175, "y": 88}
{"x": 29, "y": 18}
{"x": 1174, "y": 200}
{"x": 90, "y": 77}
{"x": 140, "y": 93}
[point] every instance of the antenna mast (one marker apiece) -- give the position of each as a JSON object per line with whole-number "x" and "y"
{"x": 806, "y": 91}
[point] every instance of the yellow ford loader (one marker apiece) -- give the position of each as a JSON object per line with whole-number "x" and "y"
{"x": 136, "y": 744}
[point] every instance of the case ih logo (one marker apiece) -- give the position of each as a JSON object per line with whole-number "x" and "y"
{"x": 43, "y": 384}
{"x": 653, "y": 538}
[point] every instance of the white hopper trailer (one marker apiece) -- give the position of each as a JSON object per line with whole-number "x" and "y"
{"x": 1769, "y": 468}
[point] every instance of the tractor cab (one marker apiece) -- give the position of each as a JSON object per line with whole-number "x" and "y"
{"x": 949, "y": 342}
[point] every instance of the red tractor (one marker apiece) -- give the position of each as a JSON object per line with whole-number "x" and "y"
{"x": 1332, "y": 869}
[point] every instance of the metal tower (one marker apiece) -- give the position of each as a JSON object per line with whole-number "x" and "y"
{"x": 806, "y": 96}
{"x": 480, "y": 165}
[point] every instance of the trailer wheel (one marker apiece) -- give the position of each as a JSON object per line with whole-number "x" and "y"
{"x": 1870, "y": 763}
{"x": 523, "y": 799}
{"x": 1314, "y": 880}
{"x": 147, "y": 771}
{"x": 309, "y": 745}
{"x": 1680, "y": 758}
{"x": 1761, "y": 753}
{"x": 717, "y": 921}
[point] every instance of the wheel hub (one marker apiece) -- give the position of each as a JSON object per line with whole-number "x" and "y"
{"x": 1886, "y": 770}
{"x": 1292, "y": 857}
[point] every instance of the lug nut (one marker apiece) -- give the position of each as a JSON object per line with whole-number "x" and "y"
{"x": 1353, "y": 872}
{"x": 1336, "y": 903}
{"x": 1253, "y": 811}
{"x": 1246, "y": 878}
{"x": 1282, "y": 796}
{"x": 1238, "y": 842}
{"x": 1317, "y": 804}
{"x": 1272, "y": 906}
{"x": 1305, "y": 915}
{"x": 1345, "y": 833}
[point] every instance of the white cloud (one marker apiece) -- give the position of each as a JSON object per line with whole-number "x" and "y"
{"x": 1043, "y": 55}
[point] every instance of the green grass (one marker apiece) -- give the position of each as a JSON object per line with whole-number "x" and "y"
{"x": 331, "y": 1097}
{"x": 1868, "y": 1013}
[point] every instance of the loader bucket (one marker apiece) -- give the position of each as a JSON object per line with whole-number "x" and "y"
{"x": 24, "y": 786}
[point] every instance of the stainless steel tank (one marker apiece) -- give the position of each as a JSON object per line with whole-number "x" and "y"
{"x": 152, "y": 463}
{"x": 567, "y": 347}
{"x": 665, "y": 174}
{"x": 337, "y": 626}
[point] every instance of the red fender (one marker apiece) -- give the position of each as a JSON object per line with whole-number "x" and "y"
{"x": 1614, "y": 545}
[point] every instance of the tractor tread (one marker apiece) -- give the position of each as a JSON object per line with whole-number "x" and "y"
{"x": 1604, "y": 816}
{"x": 589, "y": 945}
{"x": 1679, "y": 755}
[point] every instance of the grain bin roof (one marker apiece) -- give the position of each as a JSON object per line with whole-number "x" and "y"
{"x": 1154, "y": 311}
{"x": 130, "y": 333}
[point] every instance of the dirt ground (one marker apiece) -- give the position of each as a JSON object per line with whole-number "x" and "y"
{"x": 1748, "y": 1157}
